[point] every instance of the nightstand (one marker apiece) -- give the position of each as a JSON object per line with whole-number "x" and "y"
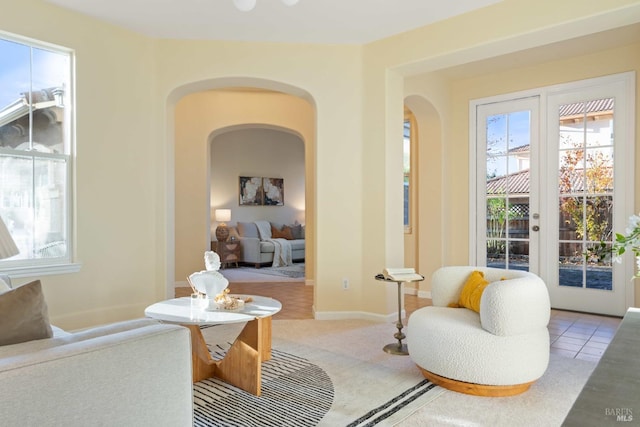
{"x": 229, "y": 252}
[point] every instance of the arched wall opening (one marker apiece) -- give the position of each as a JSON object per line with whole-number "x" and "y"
{"x": 428, "y": 192}
{"x": 198, "y": 112}
{"x": 257, "y": 151}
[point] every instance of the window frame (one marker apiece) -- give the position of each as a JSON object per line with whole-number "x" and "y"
{"x": 67, "y": 264}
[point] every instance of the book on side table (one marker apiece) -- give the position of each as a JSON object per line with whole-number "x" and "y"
{"x": 401, "y": 274}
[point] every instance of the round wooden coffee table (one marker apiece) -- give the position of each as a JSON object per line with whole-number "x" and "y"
{"x": 250, "y": 349}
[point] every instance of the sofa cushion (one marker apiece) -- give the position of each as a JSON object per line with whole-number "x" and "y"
{"x": 62, "y": 338}
{"x": 4, "y": 286}
{"x": 248, "y": 229}
{"x": 23, "y": 315}
{"x": 267, "y": 247}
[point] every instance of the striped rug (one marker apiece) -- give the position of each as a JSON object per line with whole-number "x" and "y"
{"x": 295, "y": 392}
{"x": 321, "y": 373}
{"x": 393, "y": 406}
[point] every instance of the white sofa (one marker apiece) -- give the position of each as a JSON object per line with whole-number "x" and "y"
{"x": 257, "y": 251}
{"x": 133, "y": 373}
{"x": 497, "y": 352}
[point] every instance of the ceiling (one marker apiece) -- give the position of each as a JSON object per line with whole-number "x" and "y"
{"x": 309, "y": 21}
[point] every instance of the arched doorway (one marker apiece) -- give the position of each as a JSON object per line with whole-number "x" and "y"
{"x": 197, "y": 111}
{"x": 427, "y": 191}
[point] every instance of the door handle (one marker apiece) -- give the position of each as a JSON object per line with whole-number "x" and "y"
{"x": 535, "y": 228}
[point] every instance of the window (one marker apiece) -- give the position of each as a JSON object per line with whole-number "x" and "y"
{"x": 35, "y": 153}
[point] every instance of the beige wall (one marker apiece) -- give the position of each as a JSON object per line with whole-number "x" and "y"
{"x": 129, "y": 148}
{"x": 116, "y": 238}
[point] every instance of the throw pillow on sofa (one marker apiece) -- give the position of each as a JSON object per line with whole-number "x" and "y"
{"x": 284, "y": 233}
{"x": 23, "y": 315}
{"x": 297, "y": 231}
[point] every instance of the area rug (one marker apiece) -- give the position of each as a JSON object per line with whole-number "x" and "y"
{"x": 294, "y": 392}
{"x": 317, "y": 382}
{"x": 545, "y": 404}
{"x": 371, "y": 387}
{"x": 293, "y": 272}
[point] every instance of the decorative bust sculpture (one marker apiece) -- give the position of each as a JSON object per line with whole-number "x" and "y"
{"x": 211, "y": 261}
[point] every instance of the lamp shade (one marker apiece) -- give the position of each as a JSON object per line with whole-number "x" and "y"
{"x": 223, "y": 215}
{"x": 8, "y": 247}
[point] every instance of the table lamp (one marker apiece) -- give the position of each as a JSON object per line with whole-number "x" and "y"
{"x": 8, "y": 247}
{"x": 222, "y": 231}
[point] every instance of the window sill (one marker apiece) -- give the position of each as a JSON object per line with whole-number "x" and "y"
{"x": 44, "y": 270}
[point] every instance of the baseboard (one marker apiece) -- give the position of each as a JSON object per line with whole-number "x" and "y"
{"x": 420, "y": 294}
{"x": 362, "y": 315}
{"x": 410, "y": 291}
{"x": 424, "y": 294}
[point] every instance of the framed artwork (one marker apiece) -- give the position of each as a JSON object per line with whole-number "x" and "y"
{"x": 260, "y": 191}
{"x": 273, "y": 191}
{"x": 251, "y": 191}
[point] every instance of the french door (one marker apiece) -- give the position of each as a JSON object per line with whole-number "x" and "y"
{"x": 554, "y": 177}
{"x": 507, "y": 184}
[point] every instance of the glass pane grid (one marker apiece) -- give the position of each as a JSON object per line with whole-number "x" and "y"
{"x": 35, "y": 144}
{"x": 507, "y": 189}
{"x": 586, "y": 192}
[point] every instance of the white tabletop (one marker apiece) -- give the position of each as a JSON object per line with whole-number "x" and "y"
{"x": 179, "y": 310}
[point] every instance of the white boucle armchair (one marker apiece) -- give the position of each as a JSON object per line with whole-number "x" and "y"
{"x": 499, "y": 351}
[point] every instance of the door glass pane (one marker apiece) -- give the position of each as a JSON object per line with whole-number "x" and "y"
{"x": 585, "y": 186}
{"x": 496, "y": 253}
{"x": 507, "y": 189}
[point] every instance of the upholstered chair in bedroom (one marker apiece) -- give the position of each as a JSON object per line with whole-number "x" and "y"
{"x": 486, "y": 333}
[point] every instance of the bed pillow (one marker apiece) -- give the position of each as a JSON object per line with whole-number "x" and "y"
{"x": 23, "y": 315}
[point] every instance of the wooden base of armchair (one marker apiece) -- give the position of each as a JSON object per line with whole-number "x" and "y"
{"x": 476, "y": 389}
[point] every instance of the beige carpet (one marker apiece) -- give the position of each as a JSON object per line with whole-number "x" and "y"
{"x": 364, "y": 376}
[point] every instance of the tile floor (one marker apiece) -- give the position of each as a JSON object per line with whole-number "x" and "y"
{"x": 581, "y": 335}
{"x": 574, "y": 335}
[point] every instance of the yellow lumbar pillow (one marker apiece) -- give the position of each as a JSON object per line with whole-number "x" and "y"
{"x": 472, "y": 291}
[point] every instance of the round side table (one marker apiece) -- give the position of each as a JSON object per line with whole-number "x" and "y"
{"x": 398, "y": 348}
